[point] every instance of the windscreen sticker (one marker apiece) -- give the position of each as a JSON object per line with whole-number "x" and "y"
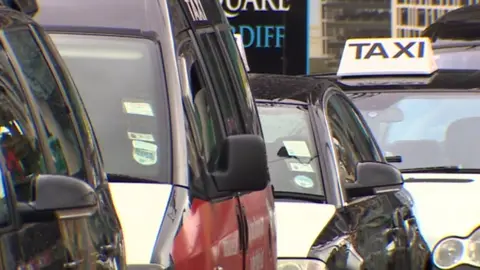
{"x": 144, "y": 153}
{"x": 303, "y": 181}
{"x": 297, "y": 148}
{"x": 139, "y": 108}
{"x": 140, "y": 136}
{"x": 299, "y": 167}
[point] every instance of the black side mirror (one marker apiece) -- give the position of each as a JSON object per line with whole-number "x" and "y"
{"x": 282, "y": 152}
{"x": 53, "y": 193}
{"x": 242, "y": 164}
{"x": 29, "y": 7}
{"x": 374, "y": 178}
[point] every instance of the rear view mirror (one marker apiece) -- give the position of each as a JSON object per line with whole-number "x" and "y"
{"x": 374, "y": 178}
{"x": 54, "y": 193}
{"x": 242, "y": 164}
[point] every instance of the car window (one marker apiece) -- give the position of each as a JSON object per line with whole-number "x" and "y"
{"x": 350, "y": 138}
{"x": 222, "y": 81}
{"x": 199, "y": 105}
{"x": 239, "y": 74}
{"x": 5, "y": 213}
{"x": 425, "y": 128}
{"x": 53, "y": 111}
{"x": 121, "y": 83}
{"x": 466, "y": 58}
{"x": 291, "y": 149}
{"x": 72, "y": 96}
{"x": 18, "y": 139}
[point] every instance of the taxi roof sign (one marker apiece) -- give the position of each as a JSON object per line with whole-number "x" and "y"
{"x": 387, "y": 56}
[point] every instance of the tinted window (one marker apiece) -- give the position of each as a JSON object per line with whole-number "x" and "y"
{"x": 458, "y": 58}
{"x": 426, "y": 129}
{"x": 287, "y": 129}
{"x": 18, "y": 139}
{"x": 53, "y": 111}
{"x": 5, "y": 213}
{"x": 202, "y": 120}
{"x": 224, "y": 86}
{"x": 71, "y": 94}
{"x": 350, "y": 138}
{"x": 244, "y": 94}
{"x": 121, "y": 83}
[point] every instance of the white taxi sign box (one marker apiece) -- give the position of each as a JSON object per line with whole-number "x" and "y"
{"x": 387, "y": 56}
{"x": 241, "y": 48}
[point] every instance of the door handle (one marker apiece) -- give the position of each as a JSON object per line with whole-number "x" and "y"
{"x": 73, "y": 264}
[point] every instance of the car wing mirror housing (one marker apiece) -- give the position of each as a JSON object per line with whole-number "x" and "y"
{"x": 242, "y": 164}
{"x": 374, "y": 178}
{"x": 56, "y": 196}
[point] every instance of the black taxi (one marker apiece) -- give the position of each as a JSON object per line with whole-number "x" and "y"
{"x": 338, "y": 203}
{"x": 426, "y": 121}
{"x": 56, "y": 209}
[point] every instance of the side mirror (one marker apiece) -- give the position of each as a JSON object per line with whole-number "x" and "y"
{"x": 282, "y": 152}
{"x": 29, "y": 7}
{"x": 242, "y": 164}
{"x": 374, "y": 178}
{"x": 53, "y": 194}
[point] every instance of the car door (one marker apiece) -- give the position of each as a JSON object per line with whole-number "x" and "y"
{"x": 26, "y": 241}
{"x": 261, "y": 232}
{"x": 375, "y": 222}
{"x": 215, "y": 216}
{"x": 108, "y": 225}
{"x": 86, "y": 240}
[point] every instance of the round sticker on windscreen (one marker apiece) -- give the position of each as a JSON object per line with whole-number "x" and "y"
{"x": 303, "y": 181}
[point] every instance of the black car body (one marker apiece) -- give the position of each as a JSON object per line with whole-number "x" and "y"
{"x": 434, "y": 127}
{"x": 168, "y": 95}
{"x": 57, "y": 211}
{"x": 456, "y": 38}
{"x": 336, "y": 198}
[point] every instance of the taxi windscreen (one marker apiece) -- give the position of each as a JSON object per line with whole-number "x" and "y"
{"x": 291, "y": 150}
{"x": 428, "y": 129}
{"x": 120, "y": 83}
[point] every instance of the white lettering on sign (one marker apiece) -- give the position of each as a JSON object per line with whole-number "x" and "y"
{"x": 387, "y": 56}
{"x": 196, "y": 10}
{"x": 256, "y": 230}
{"x": 232, "y": 8}
{"x": 230, "y": 245}
{"x": 257, "y": 261}
{"x": 412, "y": 49}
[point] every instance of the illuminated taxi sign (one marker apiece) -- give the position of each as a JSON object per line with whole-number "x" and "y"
{"x": 387, "y": 56}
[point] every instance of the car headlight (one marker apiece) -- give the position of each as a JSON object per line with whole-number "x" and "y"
{"x": 453, "y": 251}
{"x": 300, "y": 264}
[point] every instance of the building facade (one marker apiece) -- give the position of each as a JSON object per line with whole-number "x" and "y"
{"x": 410, "y": 17}
{"x": 344, "y": 19}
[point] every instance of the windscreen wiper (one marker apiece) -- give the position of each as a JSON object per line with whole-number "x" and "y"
{"x": 440, "y": 169}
